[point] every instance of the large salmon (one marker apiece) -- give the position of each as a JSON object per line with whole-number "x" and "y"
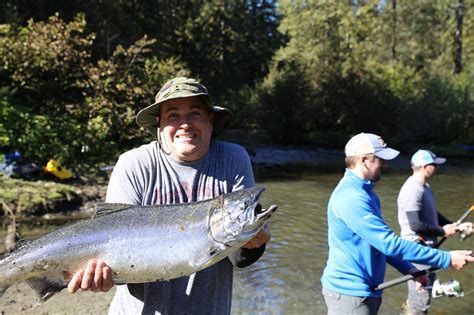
{"x": 139, "y": 243}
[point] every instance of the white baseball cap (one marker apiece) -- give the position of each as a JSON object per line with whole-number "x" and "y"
{"x": 366, "y": 143}
{"x": 425, "y": 157}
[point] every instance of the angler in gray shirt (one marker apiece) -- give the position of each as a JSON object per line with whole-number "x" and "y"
{"x": 420, "y": 220}
{"x": 186, "y": 164}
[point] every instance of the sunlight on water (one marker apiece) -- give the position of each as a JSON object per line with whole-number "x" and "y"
{"x": 286, "y": 278}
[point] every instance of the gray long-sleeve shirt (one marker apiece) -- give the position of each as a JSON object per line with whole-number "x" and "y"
{"x": 147, "y": 176}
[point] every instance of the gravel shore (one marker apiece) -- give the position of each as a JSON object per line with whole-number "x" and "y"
{"x": 21, "y": 299}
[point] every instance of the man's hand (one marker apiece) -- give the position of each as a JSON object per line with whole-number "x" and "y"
{"x": 261, "y": 238}
{"x": 460, "y": 258}
{"x": 466, "y": 226}
{"x": 450, "y": 229}
{"x": 421, "y": 282}
{"x": 95, "y": 276}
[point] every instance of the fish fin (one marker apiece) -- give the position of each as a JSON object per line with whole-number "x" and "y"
{"x": 120, "y": 281}
{"x": 104, "y": 208}
{"x": 214, "y": 251}
{"x": 46, "y": 287}
{"x": 3, "y": 289}
{"x": 20, "y": 243}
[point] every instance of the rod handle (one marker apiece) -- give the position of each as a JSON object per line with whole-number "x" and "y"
{"x": 405, "y": 278}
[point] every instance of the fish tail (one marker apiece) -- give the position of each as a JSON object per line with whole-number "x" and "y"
{"x": 46, "y": 287}
{"x": 3, "y": 289}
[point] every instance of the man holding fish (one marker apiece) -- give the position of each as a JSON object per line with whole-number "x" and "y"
{"x": 185, "y": 164}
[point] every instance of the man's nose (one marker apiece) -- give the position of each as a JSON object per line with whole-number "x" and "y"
{"x": 185, "y": 121}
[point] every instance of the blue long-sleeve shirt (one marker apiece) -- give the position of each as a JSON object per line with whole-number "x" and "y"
{"x": 360, "y": 243}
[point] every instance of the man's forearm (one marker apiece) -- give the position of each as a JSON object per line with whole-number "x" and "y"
{"x": 421, "y": 228}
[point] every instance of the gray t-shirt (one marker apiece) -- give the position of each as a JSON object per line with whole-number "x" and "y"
{"x": 147, "y": 176}
{"x": 415, "y": 196}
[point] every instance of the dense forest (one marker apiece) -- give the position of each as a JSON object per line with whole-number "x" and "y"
{"x": 74, "y": 73}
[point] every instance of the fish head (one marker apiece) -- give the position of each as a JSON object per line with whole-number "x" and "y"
{"x": 239, "y": 216}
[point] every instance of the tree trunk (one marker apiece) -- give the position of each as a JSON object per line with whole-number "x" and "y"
{"x": 458, "y": 38}
{"x": 394, "y": 30}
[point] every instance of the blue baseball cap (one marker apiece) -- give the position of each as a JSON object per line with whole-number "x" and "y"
{"x": 425, "y": 157}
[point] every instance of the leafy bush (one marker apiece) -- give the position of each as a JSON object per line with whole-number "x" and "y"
{"x": 58, "y": 103}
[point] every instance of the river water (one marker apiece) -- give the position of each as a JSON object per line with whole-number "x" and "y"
{"x": 286, "y": 280}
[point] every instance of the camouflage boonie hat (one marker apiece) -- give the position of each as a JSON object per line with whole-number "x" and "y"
{"x": 182, "y": 87}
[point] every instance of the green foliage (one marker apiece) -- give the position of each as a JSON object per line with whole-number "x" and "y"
{"x": 228, "y": 44}
{"x": 58, "y": 103}
{"x": 43, "y": 65}
{"x": 283, "y": 106}
{"x": 373, "y": 67}
{"x": 116, "y": 89}
{"x": 44, "y": 62}
{"x": 305, "y": 72}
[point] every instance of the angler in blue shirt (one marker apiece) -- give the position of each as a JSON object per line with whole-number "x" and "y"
{"x": 360, "y": 243}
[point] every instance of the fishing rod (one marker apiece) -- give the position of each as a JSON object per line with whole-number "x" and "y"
{"x": 419, "y": 273}
{"x": 407, "y": 277}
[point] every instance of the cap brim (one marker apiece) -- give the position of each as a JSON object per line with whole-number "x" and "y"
{"x": 387, "y": 154}
{"x": 439, "y": 160}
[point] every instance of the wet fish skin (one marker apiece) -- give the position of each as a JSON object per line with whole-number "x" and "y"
{"x": 139, "y": 243}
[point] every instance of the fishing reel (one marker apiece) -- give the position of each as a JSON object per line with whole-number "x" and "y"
{"x": 450, "y": 288}
{"x": 464, "y": 234}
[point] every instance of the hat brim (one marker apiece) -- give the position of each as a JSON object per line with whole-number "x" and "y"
{"x": 439, "y": 160}
{"x": 147, "y": 117}
{"x": 387, "y": 154}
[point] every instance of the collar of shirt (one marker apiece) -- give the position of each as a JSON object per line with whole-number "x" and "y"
{"x": 365, "y": 184}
